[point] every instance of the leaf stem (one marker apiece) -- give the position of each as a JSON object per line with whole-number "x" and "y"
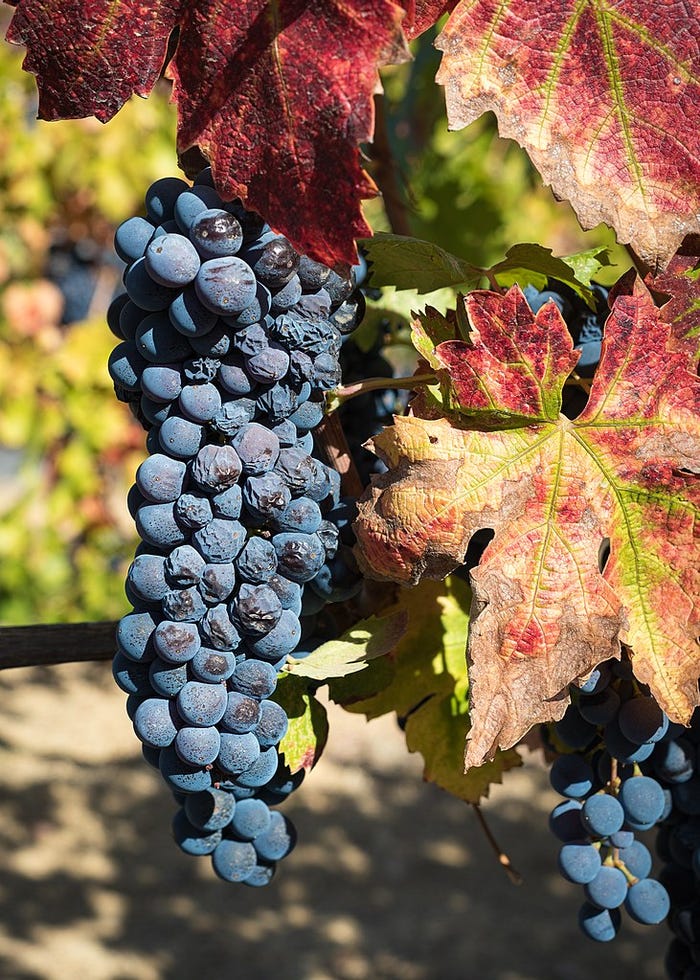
{"x": 503, "y": 859}
{"x": 344, "y": 393}
{"x": 493, "y": 282}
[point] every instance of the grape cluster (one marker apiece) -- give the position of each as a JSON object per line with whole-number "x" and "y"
{"x": 229, "y": 340}
{"x": 617, "y": 735}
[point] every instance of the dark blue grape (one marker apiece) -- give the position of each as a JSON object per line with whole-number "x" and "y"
{"x": 198, "y": 746}
{"x": 268, "y": 365}
{"x": 242, "y": 713}
{"x": 648, "y": 902}
{"x": 255, "y": 678}
{"x": 156, "y": 524}
{"x": 643, "y": 801}
{"x": 602, "y": 815}
{"x": 201, "y": 704}
{"x": 636, "y": 858}
{"x": 161, "y": 382}
{"x": 184, "y": 566}
{"x": 213, "y": 666}
{"x": 134, "y": 636}
{"x": 312, "y": 274}
{"x": 131, "y": 677}
{"x": 167, "y": 679}
{"x": 130, "y": 316}
{"x": 275, "y": 262}
{"x": 273, "y": 724}
{"x": 234, "y": 860}
{"x": 200, "y": 402}
{"x": 210, "y": 810}
{"x": 234, "y": 378}
{"x": 181, "y": 776}
{"x": 601, "y": 925}
{"x": 216, "y": 468}
{"x": 172, "y": 260}
{"x": 572, "y": 776}
{"x": 579, "y": 861}
{"x": 146, "y": 578}
{"x": 277, "y": 841}
{"x": 257, "y": 562}
{"x": 218, "y": 582}
{"x": 189, "y": 316}
{"x": 642, "y": 720}
{"x": 176, "y": 642}
{"x": 265, "y": 496}
{"x": 216, "y": 233}
{"x": 155, "y": 722}
{"x": 252, "y": 818}
{"x": 161, "y": 197}
{"x": 219, "y": 630}
{"x": 181, "y": 438}
{"x": 191, "y": 202}
{"x": 237, "y": 752}
{"x": 144, "y": 291}
{"x": 184, "y": 605}
{"x": 608, "y": 889}
{"x": 225, "y": 285}
{"x": 126, "y": 366}
{"x": 193, "y": 840}
{"x": 600, "y": 708}
{"x": 193, "y": 511}
{"x": 299, "y": 556}
{"x": 131, "y": 238}
{"x": 279, "y": 641}
{"x": 220, "y": 540}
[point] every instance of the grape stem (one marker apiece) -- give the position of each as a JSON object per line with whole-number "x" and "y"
{"x": 344, "y": 393}
{"x": 331, "y": 442}
{"x": 503, "y": 859}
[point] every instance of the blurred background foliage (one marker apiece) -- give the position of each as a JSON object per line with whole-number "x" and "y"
{"x": 68, "y": 449}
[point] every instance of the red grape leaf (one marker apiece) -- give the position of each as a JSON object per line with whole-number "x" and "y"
{"x": 601, "y": 95}
{"x": 90, "y": 56}
{"x": 277, "y": 96}
{"x": 555, "y": 491}
{"x": 681, "y": 282}
{"x": 422, "y": 14}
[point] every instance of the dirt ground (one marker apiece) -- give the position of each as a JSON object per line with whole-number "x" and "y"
{"x": 391, "y": 878}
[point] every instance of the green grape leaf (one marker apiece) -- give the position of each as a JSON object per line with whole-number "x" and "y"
{"x": 409, "y": 263}
{"x": 366, "y": 640}
{"x": 307, "y": 734}
{"x": 429, "y": 689}
{"x": 534, "y": 264}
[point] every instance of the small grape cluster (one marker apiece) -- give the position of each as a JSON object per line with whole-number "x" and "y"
{"x": 229, "y": 340}
{"x": 677, "y": 766}
{"x": 613, "y": 727}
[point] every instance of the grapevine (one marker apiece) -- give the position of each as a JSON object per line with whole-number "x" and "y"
{"x": 475, "y": 505}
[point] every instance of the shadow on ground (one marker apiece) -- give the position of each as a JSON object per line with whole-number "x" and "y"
{"x": 391, "y": 879}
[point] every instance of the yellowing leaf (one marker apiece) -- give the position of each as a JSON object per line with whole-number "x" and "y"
{"x": 429, "y": 690}
{"x": 555, "y": 491}
{"x": 351, "y": 652}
